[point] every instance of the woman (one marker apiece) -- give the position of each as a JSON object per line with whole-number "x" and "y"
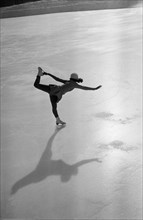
{"x": 56, "y": 92}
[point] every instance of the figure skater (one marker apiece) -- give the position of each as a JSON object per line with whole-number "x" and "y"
{"x": 57, "y": 91}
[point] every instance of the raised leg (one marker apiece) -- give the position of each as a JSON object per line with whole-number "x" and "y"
{"x": 40, "y": 86}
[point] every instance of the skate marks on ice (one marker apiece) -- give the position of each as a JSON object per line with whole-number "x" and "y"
{"x": 119, "y": 120}
{"x": 47, "y": 167}
{"x": 118, "y": 145}
{"x": 108, "y": 116}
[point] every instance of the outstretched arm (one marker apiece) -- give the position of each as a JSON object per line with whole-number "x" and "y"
{"x": 83, "y": 162}
{"x": 55, "y": 78}
{"x": 87, "y": 88}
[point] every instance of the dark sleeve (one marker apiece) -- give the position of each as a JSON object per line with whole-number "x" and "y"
{"x": 57, "y": 79}
{"x": 84, "y": 87}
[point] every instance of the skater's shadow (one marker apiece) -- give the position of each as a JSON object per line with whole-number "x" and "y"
{"x": 48, "y": 167}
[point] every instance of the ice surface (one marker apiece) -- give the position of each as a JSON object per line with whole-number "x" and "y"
{"x": 91, "y": 168}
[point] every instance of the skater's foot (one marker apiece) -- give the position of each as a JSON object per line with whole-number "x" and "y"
{"x": 40, "y": 71}
{"x": 60, "y": 122}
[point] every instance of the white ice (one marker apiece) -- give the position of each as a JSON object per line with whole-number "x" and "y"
{"x": 90, "y": 169}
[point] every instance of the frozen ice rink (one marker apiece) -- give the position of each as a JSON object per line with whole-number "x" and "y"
{"x": 92, "y": 168}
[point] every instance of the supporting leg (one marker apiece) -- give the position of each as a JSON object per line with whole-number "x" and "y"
{"x": 54, "y": 109}
{"x": 53, "y": 100}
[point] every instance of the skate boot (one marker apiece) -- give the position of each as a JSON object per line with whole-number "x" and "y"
{"x": 60, "y": 122}
{"x": 40, "y": 71}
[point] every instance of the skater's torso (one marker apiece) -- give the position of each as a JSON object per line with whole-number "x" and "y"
{"x": 67, "y": 87}
{"x": 59, "y": 91}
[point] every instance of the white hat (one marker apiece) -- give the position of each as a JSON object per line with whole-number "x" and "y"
{"x": 74, "y": 76}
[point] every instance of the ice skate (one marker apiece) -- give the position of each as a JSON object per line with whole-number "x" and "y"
{"x": 59, "y": 122}
{"x": 40, "y": 71}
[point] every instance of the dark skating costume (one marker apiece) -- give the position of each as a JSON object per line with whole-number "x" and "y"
{"x": 56, "y": 92}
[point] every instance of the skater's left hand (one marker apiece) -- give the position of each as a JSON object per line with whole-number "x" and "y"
{"x": 98, "y": 87}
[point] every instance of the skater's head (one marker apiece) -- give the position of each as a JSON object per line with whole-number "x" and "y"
{"x": 74, "y": 77}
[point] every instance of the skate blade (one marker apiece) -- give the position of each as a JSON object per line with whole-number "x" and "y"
{"x": 60, "y": 125}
